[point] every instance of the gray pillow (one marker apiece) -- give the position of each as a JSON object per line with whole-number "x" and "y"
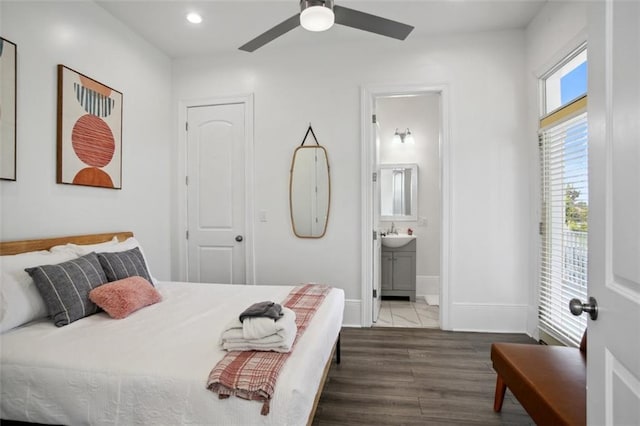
{"x": 65, "y": 287}
{"x": 124, "y": 264}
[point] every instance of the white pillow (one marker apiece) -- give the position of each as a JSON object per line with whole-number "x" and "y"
{"x": 82, "y": 249}
{"x": 20, "y": 300}
{"x": 125, "y": 245}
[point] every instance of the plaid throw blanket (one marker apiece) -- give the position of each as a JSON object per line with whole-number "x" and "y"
{"x": 251, "y": 374}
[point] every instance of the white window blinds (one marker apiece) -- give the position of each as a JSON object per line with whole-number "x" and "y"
{"x": 565, "y": 195}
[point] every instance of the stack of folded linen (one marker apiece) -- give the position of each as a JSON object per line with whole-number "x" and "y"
{"x": 264, "y": 326}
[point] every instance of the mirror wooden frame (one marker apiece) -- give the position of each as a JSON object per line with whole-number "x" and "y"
{"x": 9, "y": 102}
{"x": 292, "y": 208}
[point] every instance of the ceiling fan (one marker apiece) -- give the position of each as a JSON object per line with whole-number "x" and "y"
{"x": 320, "y": 15}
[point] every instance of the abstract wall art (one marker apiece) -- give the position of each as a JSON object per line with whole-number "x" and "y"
{"x": 89, "y": 131}
{"x": 8, "y": 67}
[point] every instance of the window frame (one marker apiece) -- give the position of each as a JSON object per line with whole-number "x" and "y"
{"x": 542, "y": 82}
{"x": 547, "y": 121}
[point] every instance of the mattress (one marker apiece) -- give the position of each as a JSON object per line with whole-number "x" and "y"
{"x": 151, "y": 367}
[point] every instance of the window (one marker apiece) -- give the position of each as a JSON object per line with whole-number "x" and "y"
{"x": 566, "y": 82}
{"x": 565, "y": 199}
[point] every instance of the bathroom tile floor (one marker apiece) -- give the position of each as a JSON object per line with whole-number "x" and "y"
{"x": 402, "y": 313}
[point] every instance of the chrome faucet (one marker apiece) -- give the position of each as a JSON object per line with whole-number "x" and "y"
{"x": 393, "y": 229}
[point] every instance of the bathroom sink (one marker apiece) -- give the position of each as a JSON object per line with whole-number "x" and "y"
{"x": 397, "y": 240}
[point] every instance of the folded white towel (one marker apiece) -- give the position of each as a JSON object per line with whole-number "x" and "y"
{"x": 235, "y": 336}
{"x": 282, "y": 334}
{"x": 231, "y": 347}
{"x": 282, "y": 345}
{"x": 259, "y": 327}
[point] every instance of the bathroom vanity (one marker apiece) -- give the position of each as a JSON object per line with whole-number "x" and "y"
{"x": 398, "y": 270}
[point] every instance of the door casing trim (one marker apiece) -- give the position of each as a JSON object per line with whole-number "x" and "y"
{"x": 180, "y": 232}
{"x": 368, "y": 96}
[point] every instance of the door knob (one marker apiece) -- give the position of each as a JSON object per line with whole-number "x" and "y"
{"x": 577, "y": 307}
{"x": 238, "y": 238}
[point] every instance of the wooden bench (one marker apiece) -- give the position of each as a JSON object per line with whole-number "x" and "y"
{"x": 549, "y": 381}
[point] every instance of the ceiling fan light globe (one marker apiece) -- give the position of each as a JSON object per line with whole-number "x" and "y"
{"x": 194, "y": 18}
{"x": 317, "y": 18}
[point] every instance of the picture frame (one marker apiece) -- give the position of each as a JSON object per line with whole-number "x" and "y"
{"x": 8, "y": 109}
{"x": 89, "y": 139}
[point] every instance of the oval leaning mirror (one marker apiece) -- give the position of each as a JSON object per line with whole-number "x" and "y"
{"x": 309, "y": 190}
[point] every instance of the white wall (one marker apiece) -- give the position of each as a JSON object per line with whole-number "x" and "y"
{"x": 82, "y": 36}
{"x": 484, "y": 74}
{"x": 421, "y": 114}
{"x": 558, "y": 29}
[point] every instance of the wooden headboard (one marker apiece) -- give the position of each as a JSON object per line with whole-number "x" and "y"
{"x": 16, "y": 247}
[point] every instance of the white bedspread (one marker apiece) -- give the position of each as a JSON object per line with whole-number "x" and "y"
{"x": 151, "y": 367}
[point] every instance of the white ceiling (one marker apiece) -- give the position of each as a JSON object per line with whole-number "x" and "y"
{"x": 229, "y": 24}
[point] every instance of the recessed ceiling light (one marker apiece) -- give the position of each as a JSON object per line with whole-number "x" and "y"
{"x": 194, "y": 18}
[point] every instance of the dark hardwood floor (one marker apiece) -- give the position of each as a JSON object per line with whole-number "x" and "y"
{"x": 402, "y": 376}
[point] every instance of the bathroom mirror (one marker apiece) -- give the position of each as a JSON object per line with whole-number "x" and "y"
{"x": 309, "y": 191}
{"x": 398, "y": 192}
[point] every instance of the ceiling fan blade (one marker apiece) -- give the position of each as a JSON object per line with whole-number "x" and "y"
{"x": 372, "y": 23}
{"x": 270, "y": 35}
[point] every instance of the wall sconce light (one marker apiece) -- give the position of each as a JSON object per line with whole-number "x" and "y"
{"x": 403, "y": 137}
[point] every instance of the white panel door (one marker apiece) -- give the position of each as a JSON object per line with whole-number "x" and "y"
{"x": 216, "y": 193}
{"x": 613, "y": 358}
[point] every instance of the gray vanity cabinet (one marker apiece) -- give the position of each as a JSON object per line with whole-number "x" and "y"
{"x": 386, "y": 271}
{"x": 398, "y": 271}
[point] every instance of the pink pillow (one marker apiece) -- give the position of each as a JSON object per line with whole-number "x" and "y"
{"x": 120, "y": 298}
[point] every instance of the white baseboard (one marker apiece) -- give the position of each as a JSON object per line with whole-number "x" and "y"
{"x": 352, "y": 313}
{"x": 479, "y": 317}
{"x": 427, "y": 284}
{"x": 495, "y": 318}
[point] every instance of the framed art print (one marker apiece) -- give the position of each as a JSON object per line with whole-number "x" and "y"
{"x": 89, "y": 131}
{"x": 8, "y": 66}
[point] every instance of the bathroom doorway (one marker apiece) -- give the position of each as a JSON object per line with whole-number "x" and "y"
{"x": 406, "y": 134}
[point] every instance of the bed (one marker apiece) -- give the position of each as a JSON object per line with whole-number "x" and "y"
{"x": 151, "y": 367}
